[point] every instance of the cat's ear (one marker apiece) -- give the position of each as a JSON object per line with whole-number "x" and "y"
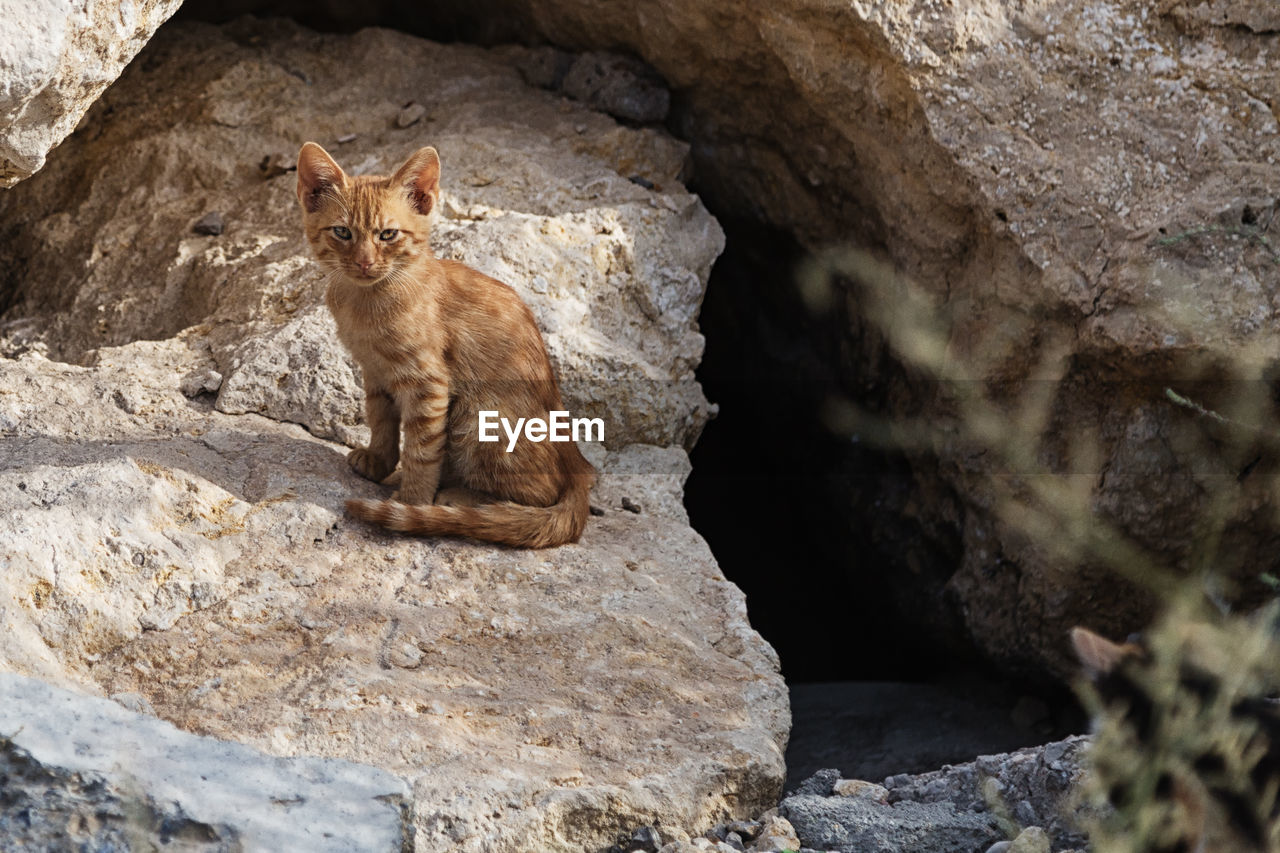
{"x": 317, "y": 174}
{"x": 420, "y": 175}
{"x": 1098, "y": 654}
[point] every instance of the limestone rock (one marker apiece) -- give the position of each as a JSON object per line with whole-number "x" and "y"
{"x": 100, "y": 251}
{"x": 299, "y": 372}
{"x": 200, "y": 563}
{"x": 189, "y": 553}
{"x": 56, "y": 58}
{"x": 82, "y": 770}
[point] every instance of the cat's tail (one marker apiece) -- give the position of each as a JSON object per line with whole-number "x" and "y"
{"x": 504, "y": 522}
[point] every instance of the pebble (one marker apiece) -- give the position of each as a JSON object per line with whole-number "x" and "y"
{"x": 410, "y": 114}
{"x": 1033, "y": 839}
{"x": 200, "y": 382}
{"x": 630, "y": 505}
{"x": 276, "y": 164}
{"x": 347, "y": 137}
{"x": 211, "y": 224}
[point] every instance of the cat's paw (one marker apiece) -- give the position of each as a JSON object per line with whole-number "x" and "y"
{"x": 369, "y": 465}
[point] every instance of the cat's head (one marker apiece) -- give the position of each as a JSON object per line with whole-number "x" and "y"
{"x": 367, "y": 228}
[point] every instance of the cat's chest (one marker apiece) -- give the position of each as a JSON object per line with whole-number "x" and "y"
{"x": 386, "y": 342}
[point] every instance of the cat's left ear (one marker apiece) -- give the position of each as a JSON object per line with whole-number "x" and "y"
{"x": 420, "y": 175}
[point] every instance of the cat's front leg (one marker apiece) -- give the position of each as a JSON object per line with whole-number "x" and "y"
{"x": 379, "y": 459}
{"x": 425, "y": 420}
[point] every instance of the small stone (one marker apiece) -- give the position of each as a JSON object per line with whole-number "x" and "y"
{"x": 410, "y": 114}
{"x": 200, "y": 382}
{"x": 210, "y": 224}
{"x": 406, "y": 656}
{"x": 748, "y": 829}
{"x": 861, "y": 789}
{"x": 135, "y": 702}
{"x": 276, "y": 164}
{"x": 646, "y": 838}
{"x": 820, "y": 784}
{"x": 999, "y": 847}
{"x": 642, "y": 181}
{"x": 624, "y": 87}
{"x": 630, "y": 505}
{"x": 596, "y": 511}
{"x": 347, "y": 137}
{"x": 1033, "y": 839}
{"x": 734, "y": 840}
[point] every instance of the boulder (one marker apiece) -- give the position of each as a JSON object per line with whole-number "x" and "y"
{"x": 56, "y": 58}
{"x": 85, "y": 771}
{"x": 1086, "y": 193}
{"x": 172, "y": 528}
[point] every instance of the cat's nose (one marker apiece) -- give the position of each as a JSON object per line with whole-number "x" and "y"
{"x": 364, "y": 265}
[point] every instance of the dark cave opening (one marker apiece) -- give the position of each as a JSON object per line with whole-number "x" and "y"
{"x": 771, "y": 484}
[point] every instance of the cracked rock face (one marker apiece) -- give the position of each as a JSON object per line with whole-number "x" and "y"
{"x": 56, "y": 58}
{"x": 172, "y": 536}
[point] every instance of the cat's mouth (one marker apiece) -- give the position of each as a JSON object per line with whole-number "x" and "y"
{"x": 366, "y": 276}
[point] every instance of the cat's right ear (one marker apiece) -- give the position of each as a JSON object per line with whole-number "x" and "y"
{"x": 317, "y": 174}
{"x": 1099, "y": 655}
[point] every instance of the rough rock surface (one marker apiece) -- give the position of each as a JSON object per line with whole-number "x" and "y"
{"x": 1092, "y": 183}
{"x": 156, "y": 548}
{"x": 161, "y": 545}
{"x": 536, "y": 191}
{"x": 56, "y": 58}
{"x": 1033, "y": 787}
{"x": 84, "y": 771}
{"x": 962, "y": 807}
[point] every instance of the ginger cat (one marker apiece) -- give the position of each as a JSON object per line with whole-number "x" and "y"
{"x": 438, "y": 343}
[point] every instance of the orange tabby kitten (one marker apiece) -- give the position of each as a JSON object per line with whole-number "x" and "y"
{"x": 438, "y": 343}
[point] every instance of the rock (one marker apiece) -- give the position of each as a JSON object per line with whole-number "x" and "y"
{"x": 1034, "y": 786}
{"x": 858, "y": 788}
{"x": 850, "y": 823}
{"x": 197, "y": 560}
{"x": 81, "y": 769}
{"x": 410, "y": 115}
{"x": 1031, "y": 840}
{"x": 202, "y": 561}
{"x": 56, "y": 58}
{"x": 211, "y": 224}
{"x": 1085, "y": 189}
{"x": 298, "y": 372}
{"x": 618, "y": 85}
{"x": 614, "y": 277}
{"x": 820, "y": 784}
{"x": 200, "y": 382}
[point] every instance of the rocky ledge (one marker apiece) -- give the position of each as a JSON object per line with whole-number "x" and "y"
{"x": 171, "y": 525}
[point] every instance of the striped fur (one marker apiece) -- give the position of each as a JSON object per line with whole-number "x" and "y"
{"x": 438, "y": 342}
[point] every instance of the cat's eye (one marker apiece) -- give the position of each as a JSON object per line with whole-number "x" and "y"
{"x": 388, "y": 234}
{"x": 341, "y": 232}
